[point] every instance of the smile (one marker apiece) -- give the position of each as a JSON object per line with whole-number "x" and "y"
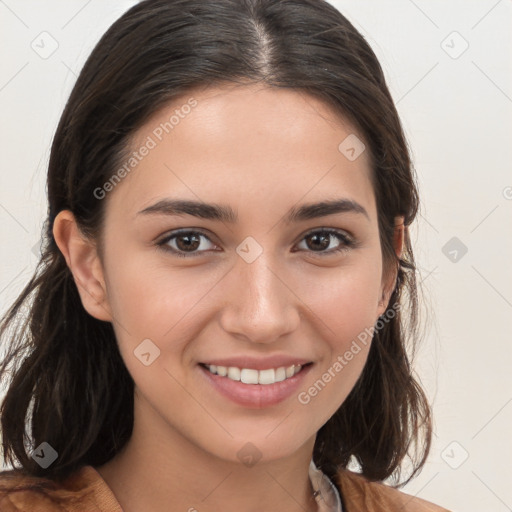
{"x": 251, "y": 376}
{"x": 256, "y": 389}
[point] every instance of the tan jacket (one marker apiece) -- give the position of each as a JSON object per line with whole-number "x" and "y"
{"x": 86, "y": 491}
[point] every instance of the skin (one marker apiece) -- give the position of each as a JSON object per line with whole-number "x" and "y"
{"x": 261, "y": 151}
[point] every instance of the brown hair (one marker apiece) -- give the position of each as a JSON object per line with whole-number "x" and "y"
{"x": 64, "y": 362}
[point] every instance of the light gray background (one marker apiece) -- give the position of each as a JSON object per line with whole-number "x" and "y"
{"x": 456, "y": 109}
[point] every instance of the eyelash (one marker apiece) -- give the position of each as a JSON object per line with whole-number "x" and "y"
{"x": 347, "y": 242}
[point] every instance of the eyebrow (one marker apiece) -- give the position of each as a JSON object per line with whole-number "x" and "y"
{"x": 227, "y": 214}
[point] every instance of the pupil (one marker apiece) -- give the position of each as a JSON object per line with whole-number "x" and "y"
{"x": 189, "y": 244}
{"x": 325, "y": 239}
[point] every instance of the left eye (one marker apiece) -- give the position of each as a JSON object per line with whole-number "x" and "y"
{"x": 186, "y": 243}
{"x": 323, "y": 238}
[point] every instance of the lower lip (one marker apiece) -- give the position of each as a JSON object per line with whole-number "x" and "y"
{"x": 256, "y": 396}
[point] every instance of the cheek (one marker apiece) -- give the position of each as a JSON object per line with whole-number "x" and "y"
{"x": 157, "y": 301}
{"x": 344, "y": 310}
{"x": 161, "y": 305}
{"x": 344, "y": 299}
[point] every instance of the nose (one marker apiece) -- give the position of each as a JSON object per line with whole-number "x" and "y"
{"x": 259, "y": 304}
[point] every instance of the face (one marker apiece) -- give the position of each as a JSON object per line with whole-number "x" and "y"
{"x": 259, "y": 280}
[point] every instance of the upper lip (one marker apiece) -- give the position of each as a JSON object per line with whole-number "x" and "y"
{"x": 258, "y": 363}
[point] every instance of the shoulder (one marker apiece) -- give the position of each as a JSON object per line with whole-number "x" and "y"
{"x": 360, "y": 494}
{"x": 82, "y": 490}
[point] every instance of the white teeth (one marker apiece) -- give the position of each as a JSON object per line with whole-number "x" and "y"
{"x": 250, "y": 376}
{"x": 267, "y": 376}
{"x": 233, "y": 373}
{"x": 221, "y": 370}
{"x": 280, "y": 374}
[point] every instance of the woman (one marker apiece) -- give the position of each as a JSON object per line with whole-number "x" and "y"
{"x": 216, "y": 322}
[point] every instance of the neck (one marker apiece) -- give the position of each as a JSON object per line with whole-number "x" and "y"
{"x": 159, "y": 470}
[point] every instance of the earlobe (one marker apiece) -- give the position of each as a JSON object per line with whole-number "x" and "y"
{"x": 84, "y": 263}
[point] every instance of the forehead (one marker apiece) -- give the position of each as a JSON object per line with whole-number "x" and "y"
{"x": 252, "y": 146}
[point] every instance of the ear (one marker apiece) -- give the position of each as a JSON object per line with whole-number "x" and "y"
{"x": 388, "y": 284}
{"x": 85, "y": 265}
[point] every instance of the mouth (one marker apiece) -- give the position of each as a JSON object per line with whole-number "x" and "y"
{"x": 255, "y": 389}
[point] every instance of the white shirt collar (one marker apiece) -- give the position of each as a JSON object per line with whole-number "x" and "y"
{"x": 327, "y": 496}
